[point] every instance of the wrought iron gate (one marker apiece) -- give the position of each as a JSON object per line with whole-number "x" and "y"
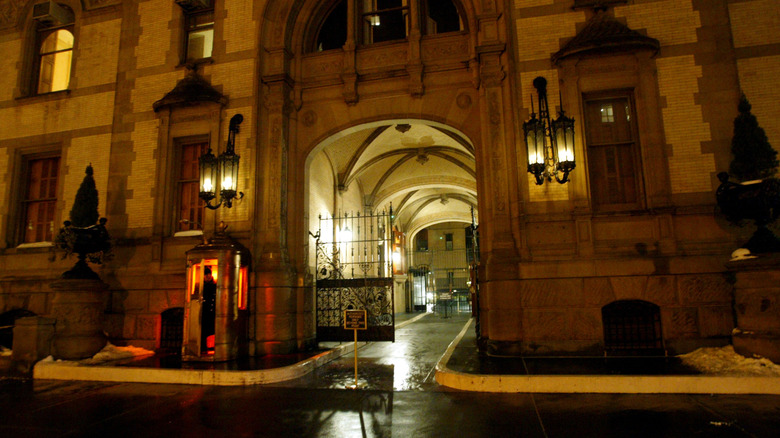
{"x": 355, "y": 271}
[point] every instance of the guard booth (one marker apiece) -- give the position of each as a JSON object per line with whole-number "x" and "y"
{"x": 216, "y": 308}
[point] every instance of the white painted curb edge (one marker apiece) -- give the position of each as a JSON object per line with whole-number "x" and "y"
{"x": 598, "y": 383}
{"x": 76, "y": 371}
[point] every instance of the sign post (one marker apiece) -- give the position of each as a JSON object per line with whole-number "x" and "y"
{"x": 355, "y": 320}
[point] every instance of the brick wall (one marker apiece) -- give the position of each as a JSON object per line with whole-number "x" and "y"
{"x": 689, "y": 168}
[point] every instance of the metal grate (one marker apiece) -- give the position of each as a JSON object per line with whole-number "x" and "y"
{"x": 172, "y": 330}
{"x": 354, "y": 271}
{"x": 632, "y": 327}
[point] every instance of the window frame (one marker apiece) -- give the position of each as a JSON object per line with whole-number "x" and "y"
{"x": 364, "y": 31}
{"x": 423, "y": 6}
{"x": 21, "y": 202}
{"x": 176, "y": 179}
{"x": 190, "y": 25}
{"x": 634, "y": 148}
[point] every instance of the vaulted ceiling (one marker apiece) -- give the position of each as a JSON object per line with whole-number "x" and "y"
{"x": 426, "y": 171}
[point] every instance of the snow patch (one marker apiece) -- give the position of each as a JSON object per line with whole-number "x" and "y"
{"x": 112, "y": 352}
{"x": 725, "y": 361}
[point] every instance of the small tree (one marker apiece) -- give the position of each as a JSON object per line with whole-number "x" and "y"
{"x": 84, "y": 234}
{"x": 85, "y": 207}
{"x": 754, "y": 157}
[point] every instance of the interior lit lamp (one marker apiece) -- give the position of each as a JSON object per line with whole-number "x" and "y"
{"x": 226, "y": 167}
{"x": 550, "y": 143}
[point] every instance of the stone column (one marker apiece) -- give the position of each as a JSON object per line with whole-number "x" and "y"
{"x": 78, "y": 309}
{"x": 32, "y": 339}
{"x": 757, "y": 306}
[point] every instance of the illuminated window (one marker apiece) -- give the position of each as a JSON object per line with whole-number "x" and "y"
{"x": 199, "y": 30}
{"x": 607, "y": 115}
{"x": 191, "y": 207}
{"x": 40, "y": 200}
{"x": 613, "y": 157}
{"x": 54, "y": 58}
{"x": 384, "y": 20}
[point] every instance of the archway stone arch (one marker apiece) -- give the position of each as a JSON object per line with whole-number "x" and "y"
{"x": 308, "y": 99}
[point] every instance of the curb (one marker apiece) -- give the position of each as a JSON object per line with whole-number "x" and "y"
{"x": 106, "y": 373}
{"x": 77, "y": 371}
{"x": 598, "y": 383}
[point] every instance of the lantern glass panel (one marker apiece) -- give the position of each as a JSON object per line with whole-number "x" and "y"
{"x": 229, "y": 172}
{"x": 534, "y": 141}
{"x": 564, "y": 138}
{"x": 208, "y": 175}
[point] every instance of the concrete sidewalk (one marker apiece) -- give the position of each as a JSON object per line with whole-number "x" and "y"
{"x": 461, "y": 367}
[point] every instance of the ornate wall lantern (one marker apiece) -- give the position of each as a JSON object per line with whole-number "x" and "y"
{"x": 222, "y": 169}
{"x": 550, "y": 144}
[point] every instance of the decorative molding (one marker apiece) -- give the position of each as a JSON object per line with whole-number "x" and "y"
{"x": 96, "y": 4}
{"x": 9, "y": 12}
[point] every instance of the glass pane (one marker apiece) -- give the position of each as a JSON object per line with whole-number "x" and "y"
{"x": 200, "y": 43}
{"x": 191, "y": 207}
{"x": 55, "y": 72}
{"x": 56, "y": 41}
{"x": 333, "y": 33}
{"x": 442, "y": 16}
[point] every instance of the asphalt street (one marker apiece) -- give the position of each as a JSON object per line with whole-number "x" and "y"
{"x": 397, "y": 397}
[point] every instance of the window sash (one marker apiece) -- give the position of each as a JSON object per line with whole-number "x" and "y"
{"x": 190, "y": 207}
{"x": 54, "y": 60}
{"x": 613, "y": 166}
{"x": 40, "y": 201}
{"x": 199, "y": 29}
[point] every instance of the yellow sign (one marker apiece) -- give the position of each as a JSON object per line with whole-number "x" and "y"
{"x": 355, "y": 320}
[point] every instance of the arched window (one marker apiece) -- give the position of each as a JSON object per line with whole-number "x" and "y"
{"x": 385, "y": 20}
{"x": 55, "y": 42}
{"x": 55, "y": 58}
{"x": 333, "y": 31}
{"x": 441, "y": 16}
{"x": 632, "y": 327}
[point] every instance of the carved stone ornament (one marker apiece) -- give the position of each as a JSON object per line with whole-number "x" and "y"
{"x": 9, "y": 12}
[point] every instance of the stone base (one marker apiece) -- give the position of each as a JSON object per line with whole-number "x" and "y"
{"x": 763, "y": 344}
{"x": 78, "y": 309}
{"x": 544, "y": 348}
{"x": 32, "y": 339}
{"x": 757, "y": 306}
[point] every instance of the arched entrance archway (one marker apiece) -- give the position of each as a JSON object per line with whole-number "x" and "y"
{"x": 424, "y": 173}
{"x": 437, "y": 83}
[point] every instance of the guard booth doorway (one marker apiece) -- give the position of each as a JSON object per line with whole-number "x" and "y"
{"x": 355, "y": 271}
{"x": 216, "y": 306}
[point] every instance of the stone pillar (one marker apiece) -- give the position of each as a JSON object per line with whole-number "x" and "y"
{"x": 32, "y": 339}
{"x": 78, "y": 309}
{"x": 757, "y": 306}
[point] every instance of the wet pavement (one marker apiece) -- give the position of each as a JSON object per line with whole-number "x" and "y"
{"x": 397, "y": 397}
{"x": 407, "y": 364}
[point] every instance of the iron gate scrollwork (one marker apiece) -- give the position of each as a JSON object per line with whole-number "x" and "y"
{"x": 355, "y": 271}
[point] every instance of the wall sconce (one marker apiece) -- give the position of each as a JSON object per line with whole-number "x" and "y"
{"x": 225, "y": 167}
{"x": 550, "y": 144}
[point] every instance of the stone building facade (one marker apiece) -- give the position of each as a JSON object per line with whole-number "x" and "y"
{"x": 320, "y": 89}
